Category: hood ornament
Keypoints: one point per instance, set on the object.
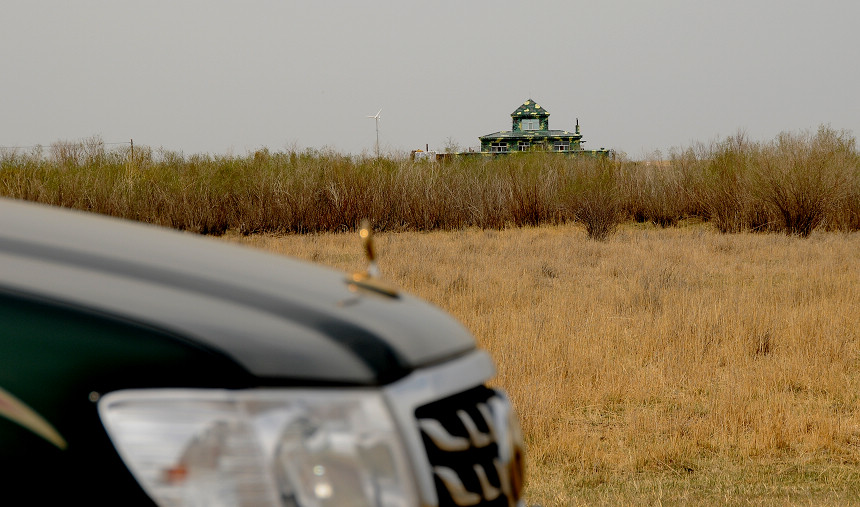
(369, 280)
(366, 235)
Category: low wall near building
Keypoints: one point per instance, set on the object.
(433, 156)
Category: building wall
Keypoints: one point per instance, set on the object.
(516, 125)
(541, 144)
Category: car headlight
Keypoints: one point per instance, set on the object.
(260, 447)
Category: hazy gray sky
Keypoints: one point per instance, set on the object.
(233, 76)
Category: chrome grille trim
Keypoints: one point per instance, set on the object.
(488, 472)
(469, 477)
(426, 386)
(440, 436)
(478, 439)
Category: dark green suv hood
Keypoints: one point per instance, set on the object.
(273, 316)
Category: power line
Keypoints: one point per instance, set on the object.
(82, 143)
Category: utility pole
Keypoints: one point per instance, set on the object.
(376, 118)
(377, 138)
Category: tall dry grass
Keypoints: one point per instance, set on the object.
(794, 184)
(661, 365)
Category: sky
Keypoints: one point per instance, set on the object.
(231, 77)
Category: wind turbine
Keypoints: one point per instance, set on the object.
(377, 117)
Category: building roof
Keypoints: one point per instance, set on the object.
(532, 134)
(530, 109)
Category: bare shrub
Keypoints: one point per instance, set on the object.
(652, 191)
(735, 184)
(632, 191)
(67, 153)
(532, 184)
(802, 177)
(725, 184)
(846, 217)
(94, 153)
(595, 197)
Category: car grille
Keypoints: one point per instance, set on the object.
(464, 443)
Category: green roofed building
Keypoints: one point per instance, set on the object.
(530, 132)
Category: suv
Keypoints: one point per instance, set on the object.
(141, 365)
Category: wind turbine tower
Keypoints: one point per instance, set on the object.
(377, 117)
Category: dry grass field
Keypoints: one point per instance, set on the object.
(672, 365)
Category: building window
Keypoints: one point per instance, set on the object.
(523, 145)
(499, 147)
(530, 124)
(560, 146)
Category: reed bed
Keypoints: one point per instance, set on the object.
(794, 184)
(661, 365)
